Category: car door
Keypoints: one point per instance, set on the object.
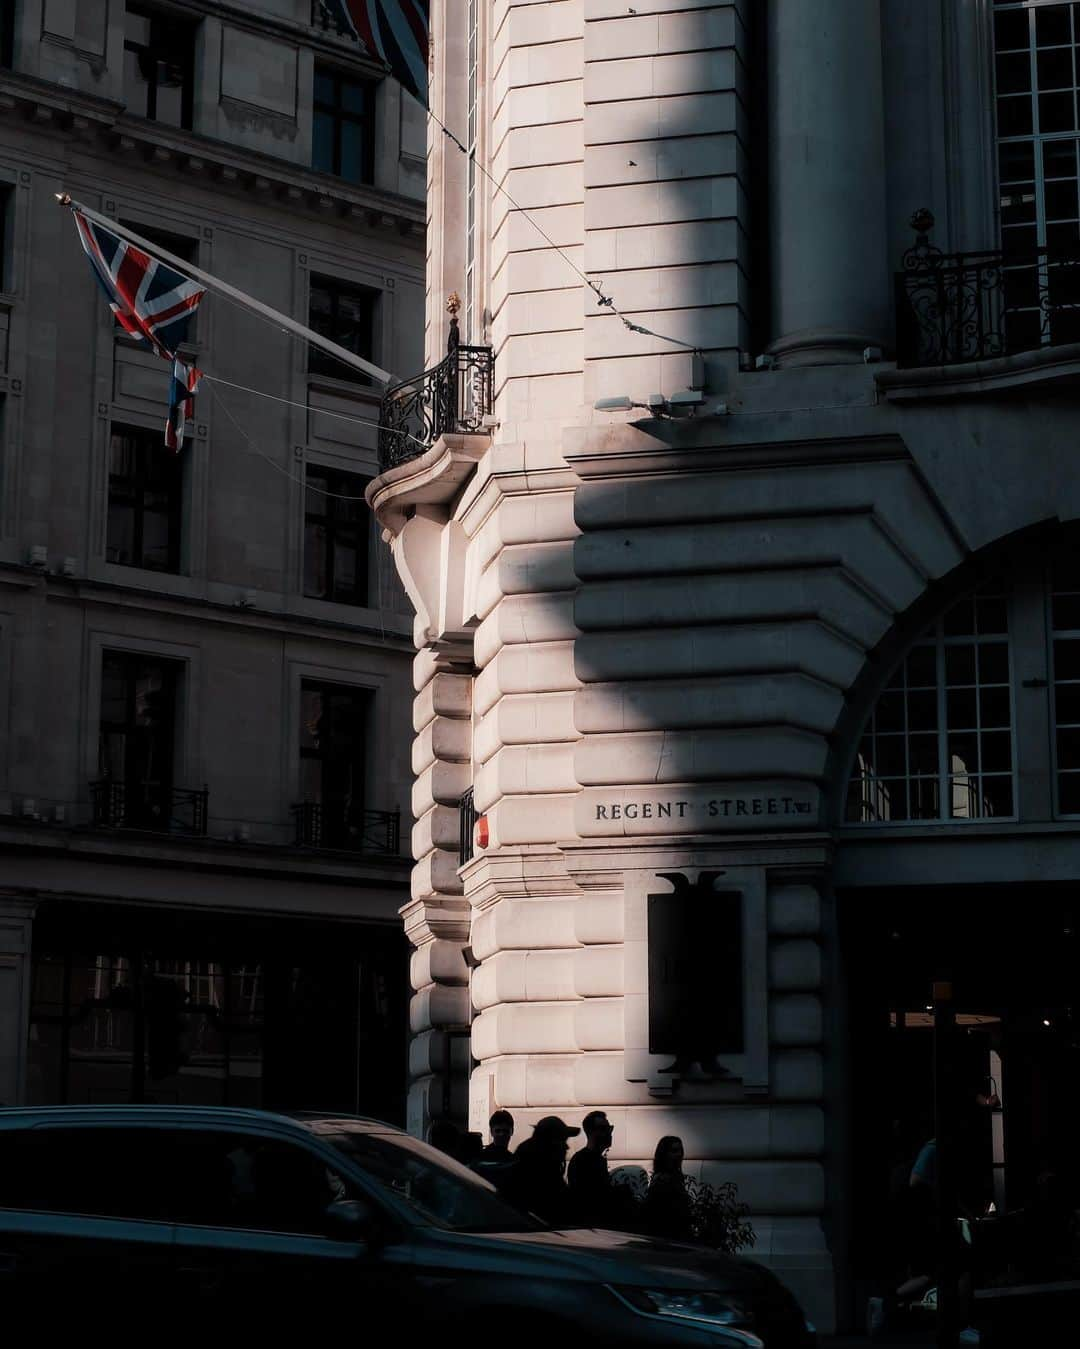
(252, 1236)
(80, 1214)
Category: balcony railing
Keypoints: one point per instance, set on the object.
(953, 308)
(165, 810)
(466, 827)
(331, 18)
(321, 824)
(456, 396)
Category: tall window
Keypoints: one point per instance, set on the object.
(7, 215)
(1065, 654)
(145, 489)
(343, 132)
(939, 741)
(472, 134)
(333, 759)
(159, 65)
(135, 747)
(7, 34)
(336, 532)
(346, 315)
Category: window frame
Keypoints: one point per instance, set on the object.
(149, 442)
(321, 364)
(158, 43)
(344, 480)
(363, 698)
(137, 812)
(339, 115)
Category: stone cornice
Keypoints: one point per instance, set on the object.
(1024, 372)
(228, 167)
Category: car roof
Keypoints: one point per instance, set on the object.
(309, 1121)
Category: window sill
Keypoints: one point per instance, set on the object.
(359, 390)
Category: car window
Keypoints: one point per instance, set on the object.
(437, 1189)
(99, 1172)
(169, 1175)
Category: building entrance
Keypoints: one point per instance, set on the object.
(1011, 958)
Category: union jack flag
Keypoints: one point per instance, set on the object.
(185, 381)
(395, 31)
(151, 300)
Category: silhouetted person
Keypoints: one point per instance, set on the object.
(445, 1136)
(667, 1210)
(535, 1182)
(587, 1175)
(495, 1160)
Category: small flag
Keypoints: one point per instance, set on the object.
(393, 31)
(182, 389)
(151, 300)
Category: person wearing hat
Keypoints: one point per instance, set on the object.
(536, 1182)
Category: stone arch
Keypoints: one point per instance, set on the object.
(1028, 543)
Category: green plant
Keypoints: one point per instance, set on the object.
(717, 1218)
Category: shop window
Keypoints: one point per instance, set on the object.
(159, 65)
(145, 491)
(346, 315)
(336, 530)
(939, 742)
(334, 721)
(343, 135)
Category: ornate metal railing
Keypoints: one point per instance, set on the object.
(331, 18)
(456, 396)
(466, 827)
(324, 824)
(166, 810)
(957, 307)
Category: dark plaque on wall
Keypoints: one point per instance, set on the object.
(695, 973)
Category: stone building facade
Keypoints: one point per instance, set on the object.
(204, 665)
(747, 620)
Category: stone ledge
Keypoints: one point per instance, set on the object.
(977, 379)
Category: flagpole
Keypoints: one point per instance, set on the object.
(213, 284)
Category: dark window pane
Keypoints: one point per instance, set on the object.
(994, 707)
(925, 799)
(1068, 748)
(922, 711)
(889, 712)
(995, 751)
(315, 560)
(324, 87)
(993, 663)
(1067, 704)
(1061, 200)
(1014, 115)
(1056, 113)
(922, 667)
(1010, 30)
(923, 753)
(354, 97)
(345, 570)
(1059, 159)
(1019, 241)
(1069, 793)
(960, 619)
(322, 143)
(120, 544)
(889, 758)
(996, 797)
(993, 614)
(1016, 162)
(960, 709)
(353, 166)
(1023, 329)
(1067, 658)
(1014, 73)
(1017, 208)
(1055, 69)
(1052, 25)
(959, 665)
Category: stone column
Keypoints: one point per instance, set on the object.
(826, 138)
(16, 920)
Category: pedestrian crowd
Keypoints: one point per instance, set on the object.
(536, 1178)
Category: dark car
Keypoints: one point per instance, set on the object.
(192, 1214)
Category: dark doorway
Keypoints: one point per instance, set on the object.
(1011, 957)
(173, 1007)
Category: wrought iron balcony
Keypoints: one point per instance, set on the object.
(454, 397)
(334, 824)
(466, 827)
(953, 308)
(164, 810)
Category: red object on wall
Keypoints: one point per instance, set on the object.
(482, 834)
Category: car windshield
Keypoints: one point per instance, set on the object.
(438, 1189)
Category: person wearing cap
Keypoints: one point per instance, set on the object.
(536, 1182)
(587, 1176)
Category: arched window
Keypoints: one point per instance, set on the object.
(986, 699)
(939, 742)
